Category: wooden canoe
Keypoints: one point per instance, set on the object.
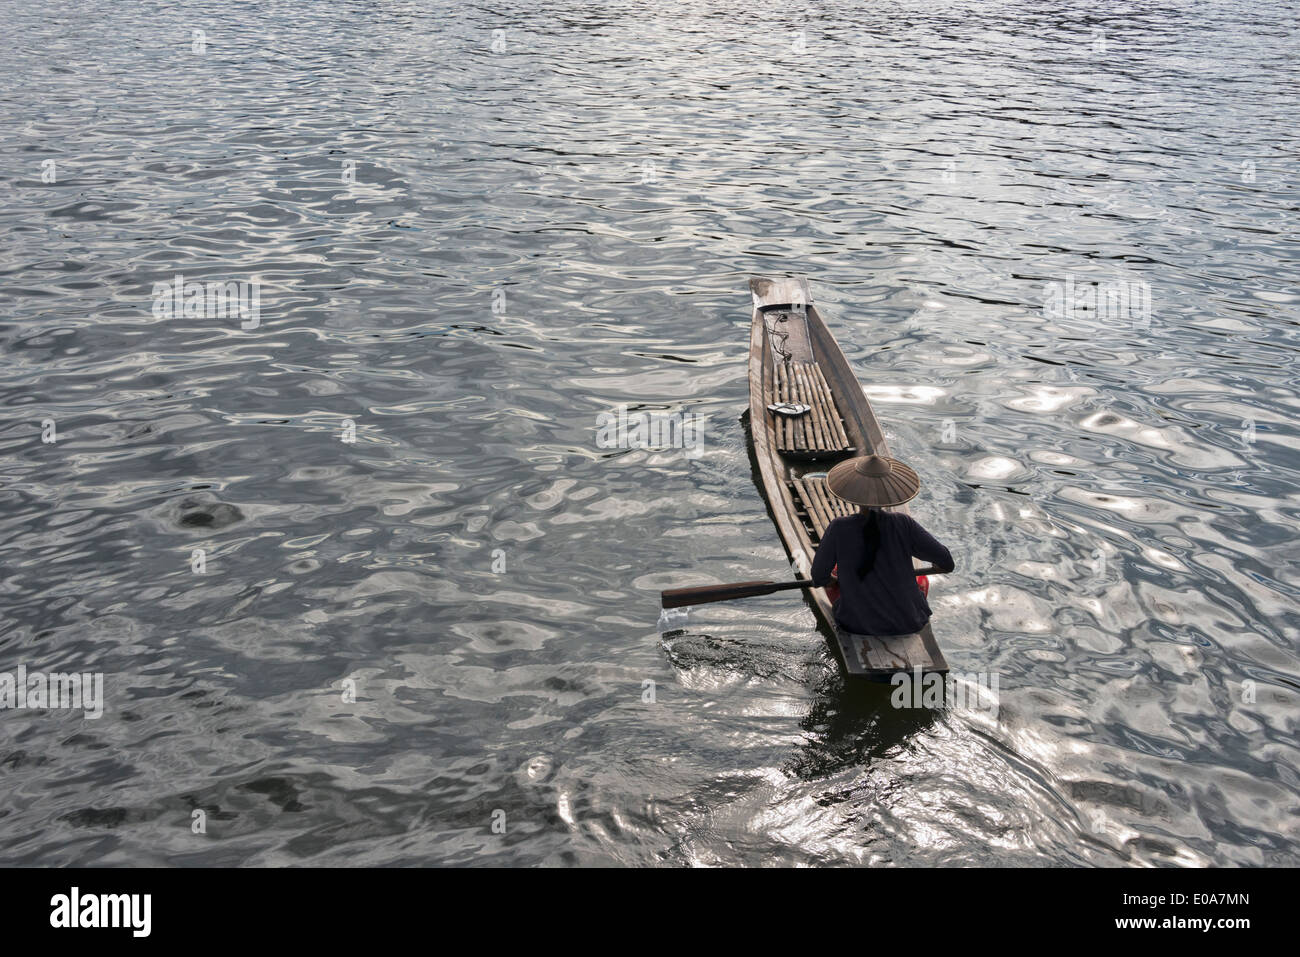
(793, 358)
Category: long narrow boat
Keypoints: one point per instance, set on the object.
(793, 359)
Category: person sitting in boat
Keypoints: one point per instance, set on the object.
(873, 550)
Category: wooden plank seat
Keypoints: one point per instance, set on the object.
(881, 657)
(818, 433)
(811, 494)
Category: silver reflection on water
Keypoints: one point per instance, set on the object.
(425, 626)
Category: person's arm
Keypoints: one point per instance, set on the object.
(928, 548)
(824, 560)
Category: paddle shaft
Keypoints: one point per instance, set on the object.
(704, 594)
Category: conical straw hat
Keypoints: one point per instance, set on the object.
(876, 481)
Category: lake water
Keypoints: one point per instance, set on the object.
(474, 230)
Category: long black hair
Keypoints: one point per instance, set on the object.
(870, 542)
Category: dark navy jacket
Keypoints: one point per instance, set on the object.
(888, 601)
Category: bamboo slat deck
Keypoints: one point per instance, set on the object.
(820, 506)
(819, 431)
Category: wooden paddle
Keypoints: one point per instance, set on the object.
(703, 594)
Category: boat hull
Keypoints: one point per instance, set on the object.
(787, 332)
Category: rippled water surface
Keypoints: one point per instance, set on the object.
(559, 218)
